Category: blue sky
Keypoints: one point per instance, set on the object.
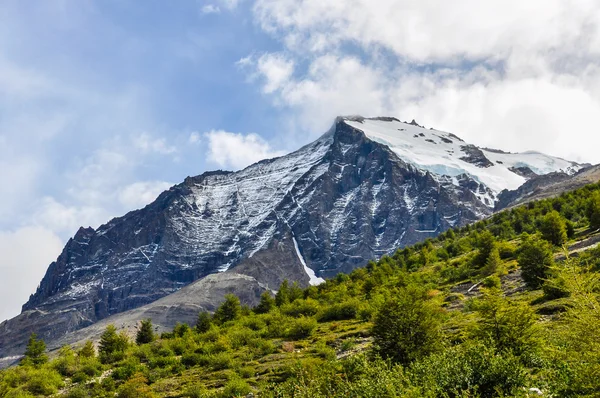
(103, 104)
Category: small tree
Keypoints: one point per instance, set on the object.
(229, 310)
(593, 210)
(35, 353)
(283, 294)
(87, 351)
(554, 228)
(204, 322)
(486, 244)
(266, 304)
(507, 325)
(407, 327)
(145, 333)
(493, 263)
(112, 345)
(535, 260)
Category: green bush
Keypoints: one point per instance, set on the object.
(339, 312)
(469, 370)
(407, 327)
(301, 328)
(194, 359)
(298, 308)
(236, 388)
(492, 281)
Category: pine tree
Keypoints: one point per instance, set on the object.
(112, 344)
(283, 294)
(229, 310)
(553, 228)
(87, 351)
(204, 322)
(35, 353)
(145, 333)
(493, 263)
(266, 304)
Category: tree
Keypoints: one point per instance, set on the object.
(486, 244)
(283, 294)
(87, 351)
(407, 327)
(266, 304)
(204, 322)
(229, 310)
(145, 334)
(535, 260)
(35, 353)
(507, 325)
(570, 229)
(112, 345)
(593, 210)
(554, 228)
(493, 263)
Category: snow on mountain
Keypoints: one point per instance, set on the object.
(446, 154)
(362, 190)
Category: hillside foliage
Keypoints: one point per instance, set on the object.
(495, 309)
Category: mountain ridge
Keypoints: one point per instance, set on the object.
(332, 205)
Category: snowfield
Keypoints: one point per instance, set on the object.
(440, 153)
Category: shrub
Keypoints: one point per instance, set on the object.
(137, 387)
(194, 359)
(43, 382)
(407, 327)
(298, 308)
(492, 281)
(339, 312)
(535, 259)
(469, 370)
(220, 361)
(508, 325)
(554, 228)
(236, 388)
(301, 328)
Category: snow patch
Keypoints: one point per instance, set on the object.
(314, 279)
(442, 153)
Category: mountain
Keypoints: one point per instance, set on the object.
(547, 186)
(362, 190)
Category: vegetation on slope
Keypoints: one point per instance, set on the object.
(495, 309)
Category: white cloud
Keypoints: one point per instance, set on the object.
(194, 138)
(140, 194)
(511, 74)
(231, 4)
(66, 219)
(210, 9)
(276, 70)
(26, 253)
(149, 144)
(231, 150)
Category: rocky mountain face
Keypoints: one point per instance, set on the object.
(362, 190)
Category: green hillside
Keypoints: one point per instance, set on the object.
(505, 307)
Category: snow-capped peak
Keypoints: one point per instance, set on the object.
(445, 154)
